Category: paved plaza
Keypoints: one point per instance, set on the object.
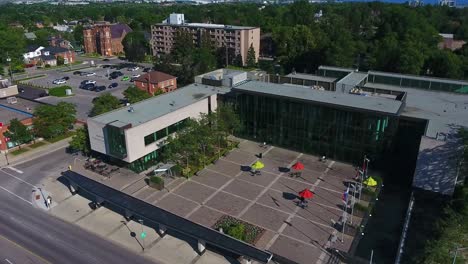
(268, 200)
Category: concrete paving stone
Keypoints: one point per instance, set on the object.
(156, 196)
(211, 178)
(319, 213)
(278, 200)
(328, 198)
(296, 251)
(72, 209)
(145, 192)
(283, 155)
(263, 179)
(123, 236)
(252, 147)
(307, 176)
(226, 167)
(308, 232)
(176, 205)
(345, 245)
(205, 216)
(102, 221)
(265, 217)
(313, 163)
(289, 186)
(210, 257)
(243, 189)
(174, 184)
(136, 186)
(194, 191)
(227, 203)
(172, 250)
(263, 241)
(273, 166)
(332, 184)
(241, 157)
(58, 190)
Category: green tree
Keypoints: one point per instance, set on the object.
(104, 103)
(51, 121)
(444, 63)
(134, 95)
(135, 46)
(238, 61)
(183, 48)
(78, 35)
(80, 141)
(251, 59)
(18, 132)
(60, 60)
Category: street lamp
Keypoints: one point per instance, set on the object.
(143, 234)
(8, 59)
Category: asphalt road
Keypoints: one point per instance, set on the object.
(29, 235)
(53, 240)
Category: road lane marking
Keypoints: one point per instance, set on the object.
(25, 249)
(15, 169)
(17, 196)
(8, 261)
(19, 179)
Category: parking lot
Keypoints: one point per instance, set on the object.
(83, 98)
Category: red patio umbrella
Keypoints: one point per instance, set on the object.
(298, 166)
(306, 194)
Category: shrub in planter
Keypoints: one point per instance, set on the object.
(360, 210)
(368, 194)
(236, 231)
(156, 182)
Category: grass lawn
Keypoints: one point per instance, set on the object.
(64, 136)
(32, 77)
(19, 151)
(59, 91)
(38, 144)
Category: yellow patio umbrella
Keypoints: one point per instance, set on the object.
(370, 182)
(258, 165)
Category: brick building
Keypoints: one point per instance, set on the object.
(105, 39)
(238, 38)
(154, 81)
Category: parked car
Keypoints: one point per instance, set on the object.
(105, 60)
(59, 81)
(66, 78)
(146, 69)
(100, 88)
(89, 87)
(106, 66)
(77, 73)
(136, 68)
(134, 76)
(90, 74)
(125, 78)
(88, 82)
(113, 85)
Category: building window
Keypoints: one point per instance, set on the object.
(150, 139)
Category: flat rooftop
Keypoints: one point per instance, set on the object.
(353, 78)
(7, 114)
(311, 77)
(158, 106)
(374, 104)
(437, 164)
(206, 25)
(22, 109)
(443, 110)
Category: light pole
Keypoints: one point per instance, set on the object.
(142, 235)
(6, 157)
(8, 59)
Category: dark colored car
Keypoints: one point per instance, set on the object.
(66, 78)
(105, 60)
(100, 88)
(89, 87)
(113, 85)
(146, 69)
(76, 73)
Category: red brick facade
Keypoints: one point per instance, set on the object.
(105, 39)
(154, 81)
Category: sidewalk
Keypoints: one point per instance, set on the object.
(34, 153)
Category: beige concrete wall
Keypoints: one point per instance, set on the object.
(250, 37)
(135, 136)
(9, 91)
(96, 136)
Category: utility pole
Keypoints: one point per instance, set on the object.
(8, 59)
(227, 55)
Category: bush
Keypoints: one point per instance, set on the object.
(369, 192)
(236, 231)
(156, 180)
(361, 207)
(59, 91)
(47, 65)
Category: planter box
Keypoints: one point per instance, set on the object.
(158, 186)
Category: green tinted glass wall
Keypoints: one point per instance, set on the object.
(116, 142)
(316, 129)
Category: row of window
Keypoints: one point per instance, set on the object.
(162, 133)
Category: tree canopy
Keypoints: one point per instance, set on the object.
(53, 120)
(80, 141)
(18, 132)
(135, 46)
(134, 95)
(104, 103)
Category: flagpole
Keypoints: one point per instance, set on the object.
(345, 213)
(353, 200)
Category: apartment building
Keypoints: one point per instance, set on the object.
(239, 38)
(105, 39)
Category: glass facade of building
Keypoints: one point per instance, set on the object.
(407, 81)
(317, 129)
(162, 133)
(116, 141)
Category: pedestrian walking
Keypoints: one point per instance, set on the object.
(49, 201)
